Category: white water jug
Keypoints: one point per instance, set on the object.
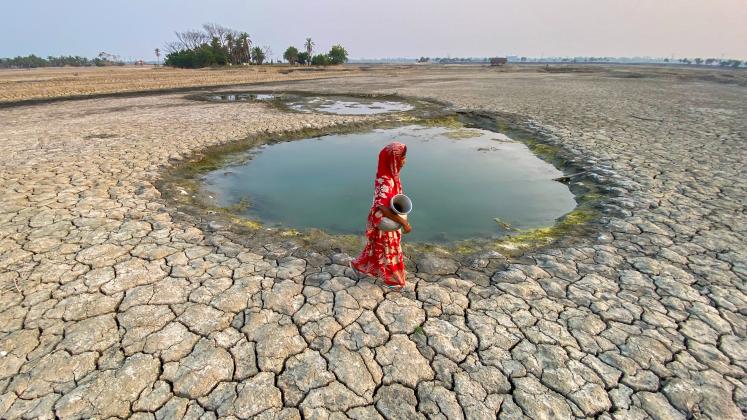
(400, 204)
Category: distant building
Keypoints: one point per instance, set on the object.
(498, 61)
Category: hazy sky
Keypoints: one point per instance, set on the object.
(387, 28)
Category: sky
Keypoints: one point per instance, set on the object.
(132, 29)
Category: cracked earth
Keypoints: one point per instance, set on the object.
(114, 306)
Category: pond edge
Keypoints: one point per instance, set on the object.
(178, 183)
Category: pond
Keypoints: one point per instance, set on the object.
(464, 183)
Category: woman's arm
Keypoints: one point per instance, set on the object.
(396, 217)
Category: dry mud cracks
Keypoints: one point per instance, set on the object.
(114, 304)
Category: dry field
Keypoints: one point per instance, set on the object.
(115, 304)
(34, 84)
(49, 83)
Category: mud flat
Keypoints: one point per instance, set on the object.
(115, 302)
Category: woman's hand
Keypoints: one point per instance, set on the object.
(387, 212)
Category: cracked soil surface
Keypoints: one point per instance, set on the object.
(113, 305)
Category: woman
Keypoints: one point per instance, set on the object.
(382, 257)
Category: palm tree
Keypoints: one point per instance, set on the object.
(309, 48)
(258, 55)
(244, 46)
(231, 47)
(158, 56)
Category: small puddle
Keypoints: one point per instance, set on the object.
(347, 106)
(465, 183)
(339, 105)
(241, 97)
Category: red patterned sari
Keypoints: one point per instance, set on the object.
(382, 257)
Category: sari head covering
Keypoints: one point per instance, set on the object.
(390, 159)
(387, 185)
(382, 255)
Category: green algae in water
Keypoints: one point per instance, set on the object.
(544, 236)
(458, 187)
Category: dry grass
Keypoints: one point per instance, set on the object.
(46, 83)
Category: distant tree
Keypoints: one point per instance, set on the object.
(158, 56)
(291, 55)
(211, 45)
(337, 54)
(231, 48)
(303, 58)
(267, 51)
(219, 53)
(698, 61)
(188, 40)
(320, 60)
(730, 63)
(182, 58)
(244, 45)
(710, 61)
(309, 45)
(258, 56)
(32, 61)
(29, 62)
(213, 30)
(203, 56)
(63, 61)
(106, 59)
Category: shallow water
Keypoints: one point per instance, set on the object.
(460, 182)
(340, 105)
(347, 105)
(241, 97)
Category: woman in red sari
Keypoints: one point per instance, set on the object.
(382, 257)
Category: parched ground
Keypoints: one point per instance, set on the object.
(48, 83)
(114, 305)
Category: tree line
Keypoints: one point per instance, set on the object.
(213, 45)
(710, 62)
(336, 55)
(33, 61)
(575, 60)
(217, 45)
